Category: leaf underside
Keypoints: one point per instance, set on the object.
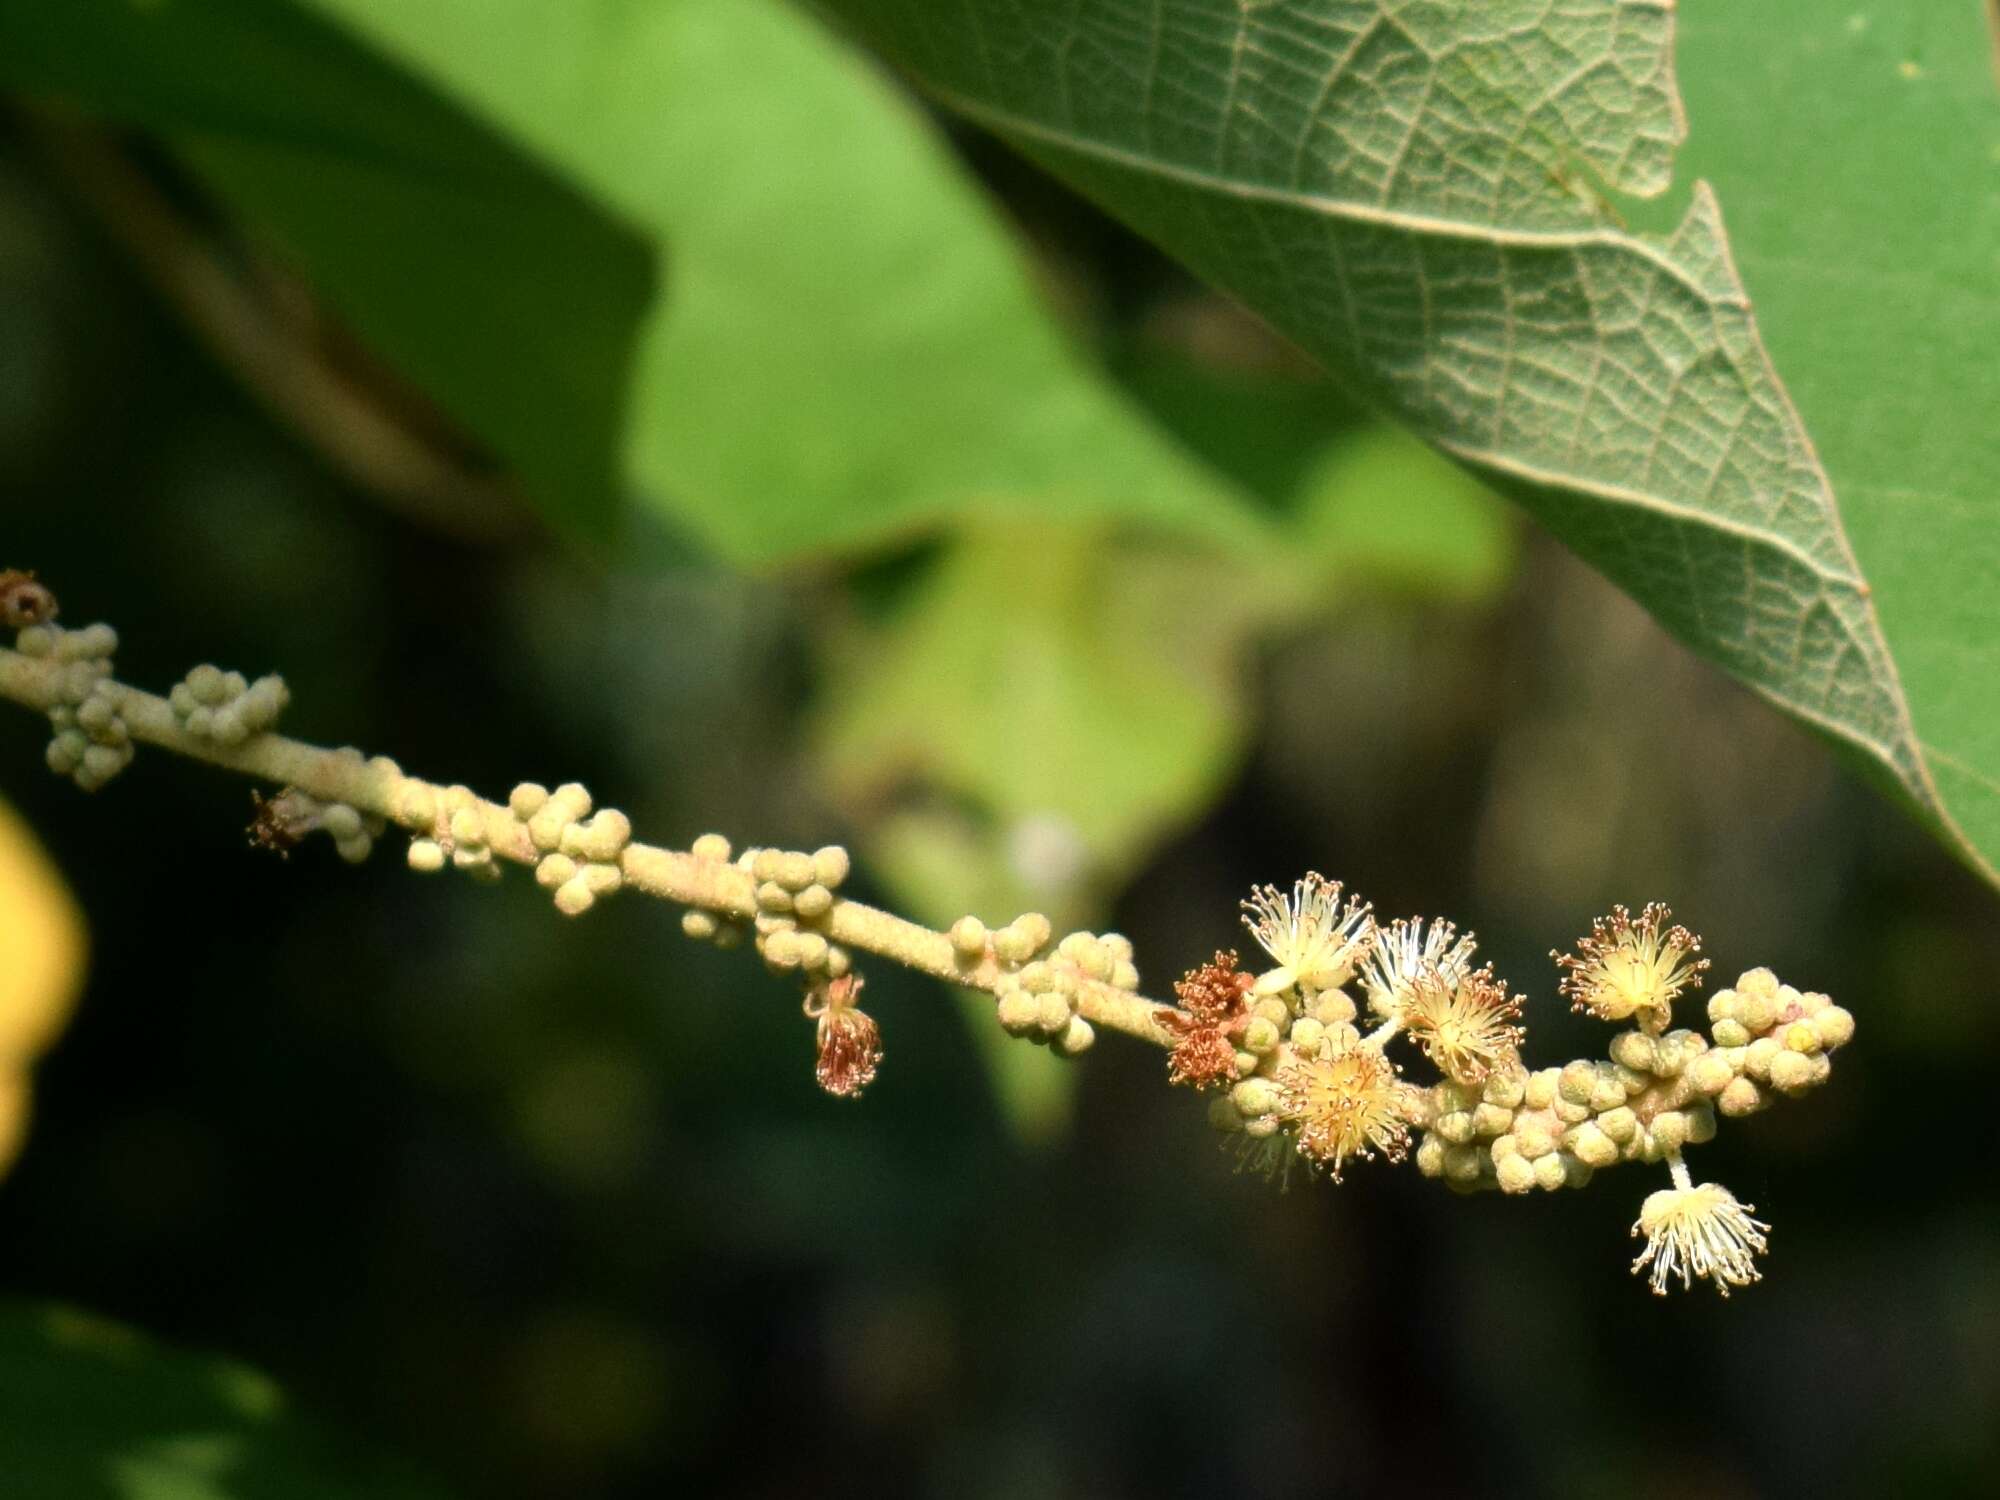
(1416, 193)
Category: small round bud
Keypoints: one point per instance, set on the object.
(1669, 1130)
(773, 897)
(1577, 1082)
(527, 799)
(830, 865)
(1533, 1135)
(1791, 1073)
(1571, 1114)
(1540, 1091)
(1124, 976)
(711, 846)
(1505, 1087)
(698, 924)
(1053, 1012)
(1260, 1036)
(1274, 1010)
(1430, 1156)
(1018, 1012)
(426, 856)
(1222, 1115)
(1246, 1063)
(1700, 1123)
(574, 897)
(1262, 1128)
(36, 640)
(1609, 1093)
(227, 727)
(1722, 1005)
(200, 722)
(968, 939)
(602, 839)
(793, 871)
(1307, 1034)
(1463, 1164)
(102, 762)
(1334, 1008)
(1835, 1026)
(206, 684)
(1731, 1034)
(340, 820)
(1097, 963)
(1618, 1125)
(1119, 945)
(1740, 1098)
(1711, 1073)
(1455, 1127)
(812, 903)
(1591, 1146)
(1491, 1119)
(1576, 1172)
(1515, 1174)
(1757, 1058)
(1550, 1173)
(234, 685)
(1757, 982)
(1801, 1036)
(729, 936)
(813, 950)
(781, 949)
(354, 850)
(1253, 1097)
(1634, 1049)
(555, 870)
(468, 828)
(1757, 1011)
(1076, 1038)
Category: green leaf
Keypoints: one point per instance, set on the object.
(510, 299)
(1858, 147)
(1413, 193)
(850, 348)
(96, 1411)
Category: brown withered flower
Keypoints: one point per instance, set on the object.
(279, 823)
(848, 1040)
(1215, 1003)
(24, 601)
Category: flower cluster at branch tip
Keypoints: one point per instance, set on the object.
(1296, 1078)
(1306, 1082)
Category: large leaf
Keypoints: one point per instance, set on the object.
(1858, 147)
(849, 346)
(1412, 192)
(510, 299)
(95, 1411)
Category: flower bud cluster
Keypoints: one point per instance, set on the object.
(1768, 1037)
(458, 835)
(91, 743)
(1038, 1000)
(580, 848)
(795, 894)
(224, 708)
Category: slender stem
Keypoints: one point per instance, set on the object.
(381, 788)
(1679, 1170)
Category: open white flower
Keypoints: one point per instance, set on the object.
(1699, 1231)
(1316, 941)
(1405, 948)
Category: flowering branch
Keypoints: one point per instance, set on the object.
(1298, 1078)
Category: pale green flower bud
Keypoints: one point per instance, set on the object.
(1550, 1173)
(712, 846)
(699, 925)
(1261, 1036)
(968, 939)
(1729, 1033)
(1741, 1097)
(1618, 1125)
(1635, 1050)
(426, 856)
(1430, 1156)
(830, 865)
(1712, 1072)
(1577, 1082)
(1791, 1073)
(1835, 1026)
(1307, 1034)
(812, 903)
(1515, 1174)
(1491, 1120)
